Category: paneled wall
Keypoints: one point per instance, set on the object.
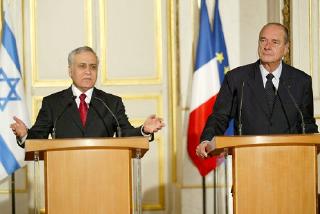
(146, 50)
(306, 43)
(131, 40)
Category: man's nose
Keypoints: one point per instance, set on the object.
(87, 70)
(267, 45)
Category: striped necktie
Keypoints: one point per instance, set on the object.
(270, 91)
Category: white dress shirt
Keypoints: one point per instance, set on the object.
(276, 73)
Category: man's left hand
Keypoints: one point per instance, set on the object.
(152, 124)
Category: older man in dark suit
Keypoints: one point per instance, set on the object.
(83, 110)
(266, 97)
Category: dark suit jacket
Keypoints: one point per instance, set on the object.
(61, 108)
(256, 117)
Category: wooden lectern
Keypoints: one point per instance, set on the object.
(89, 175)
(273, 174)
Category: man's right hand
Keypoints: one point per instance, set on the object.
(19, 128)
(204, 148)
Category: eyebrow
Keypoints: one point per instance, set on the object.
(87, 63)
(260, 38)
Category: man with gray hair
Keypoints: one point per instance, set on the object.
(83, 110)
(265, 97)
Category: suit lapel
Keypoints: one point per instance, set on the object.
(92, 116)
(66, 97)
(285, 81)
(256, 85)
(73, 111)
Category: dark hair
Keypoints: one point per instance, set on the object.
(80, 50)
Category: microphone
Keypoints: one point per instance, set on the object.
(240, 110)
(303, 125)
(54, 129)
(284, 110)
(113, 115)
(98, 113)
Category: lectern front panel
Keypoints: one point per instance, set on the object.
(275, 179)
(97, 181)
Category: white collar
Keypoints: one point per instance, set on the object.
(76, 92)
(276, 73)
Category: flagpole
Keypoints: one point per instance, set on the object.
(204, 198)
(13, 190)
(226, 180)
(215, 191)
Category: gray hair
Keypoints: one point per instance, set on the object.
(80, 50)
(284, 28)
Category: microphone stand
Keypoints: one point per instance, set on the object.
(13, 191)
(119, 133)
(240, 111)
(303, 125)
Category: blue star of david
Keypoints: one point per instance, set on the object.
(12, 95)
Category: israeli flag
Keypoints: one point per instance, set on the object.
(12, 99)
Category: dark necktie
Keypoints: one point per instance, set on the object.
(83, 109)
(270, 91)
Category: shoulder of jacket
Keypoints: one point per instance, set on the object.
(102, 94)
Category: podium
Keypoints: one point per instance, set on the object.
(89, 175)
(273, 174)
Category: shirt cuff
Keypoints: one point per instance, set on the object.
(143, 133)
(205, 141)
(22, 140)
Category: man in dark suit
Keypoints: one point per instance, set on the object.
(83, 110)
(265, 97)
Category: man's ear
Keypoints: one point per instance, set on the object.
(286, 48)
(69, 70)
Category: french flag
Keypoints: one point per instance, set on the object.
(211, 65)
